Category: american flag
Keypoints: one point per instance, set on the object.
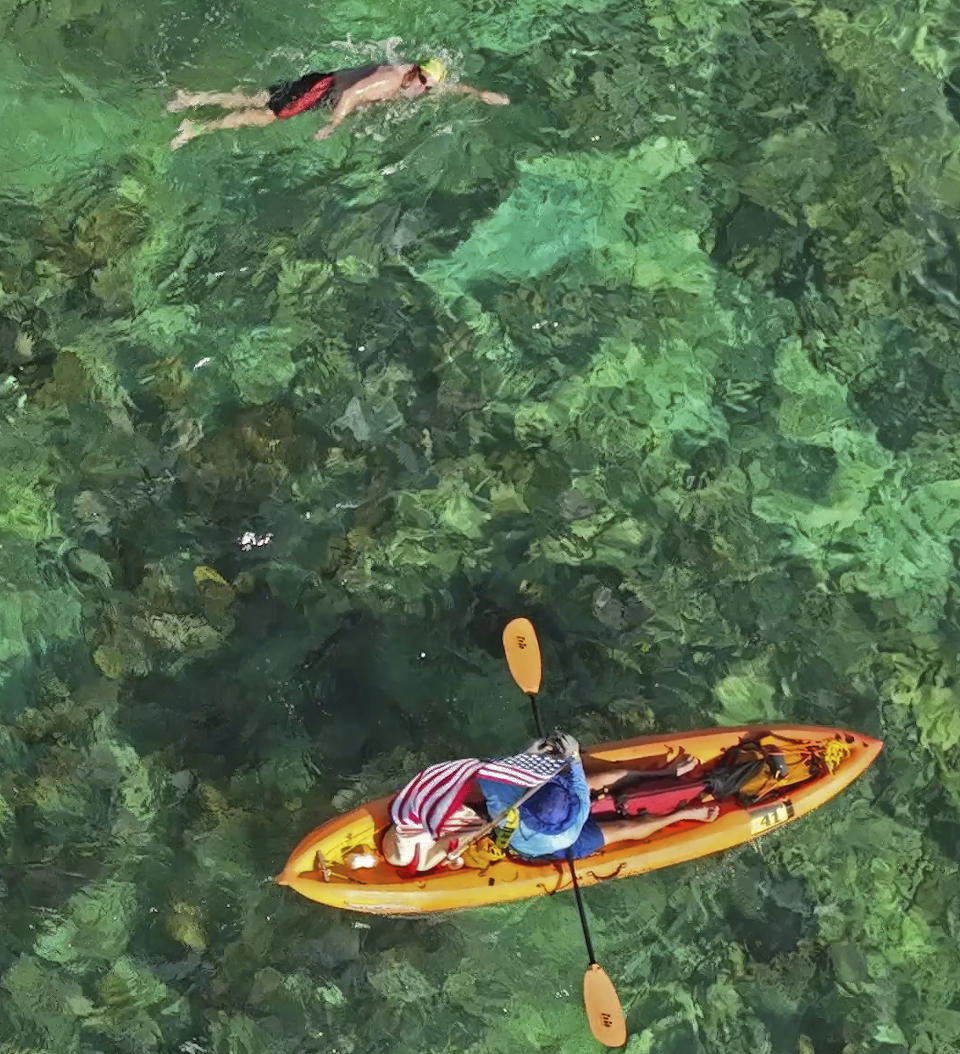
(432, 800)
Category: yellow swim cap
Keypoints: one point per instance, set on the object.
(435, 69)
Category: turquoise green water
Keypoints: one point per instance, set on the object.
(664, 355)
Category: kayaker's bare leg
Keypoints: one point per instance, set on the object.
(636, 830)
(226, 100)
(238, 119)
(607, 779)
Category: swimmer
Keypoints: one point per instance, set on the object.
(342, 92)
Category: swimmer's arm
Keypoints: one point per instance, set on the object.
(380, 85)
(347, 104)
(491, 98)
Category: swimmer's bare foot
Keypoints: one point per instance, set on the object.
(704, 814)
(180, 101)
(187, 131)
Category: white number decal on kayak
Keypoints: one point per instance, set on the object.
(769, 816)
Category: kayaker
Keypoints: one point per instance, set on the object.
(340, 91)
(438, 809)
(557, 817)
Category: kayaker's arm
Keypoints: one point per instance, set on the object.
(578, 785)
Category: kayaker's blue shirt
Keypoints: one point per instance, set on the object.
(540, 839)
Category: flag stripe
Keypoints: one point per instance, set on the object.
(432, 801)
(412, 805)
(448, 796)
(434, 777)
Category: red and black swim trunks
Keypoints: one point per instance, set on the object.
(293, 97)
(314, 89)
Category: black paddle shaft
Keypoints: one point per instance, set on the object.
(536, 714)
(573, 869)
(580, 909)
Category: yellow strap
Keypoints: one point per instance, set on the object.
(507, 829)
(486, 851)
(482, 853)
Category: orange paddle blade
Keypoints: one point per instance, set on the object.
(523, 654)
(604, 1011)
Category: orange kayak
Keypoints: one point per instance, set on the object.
(317, 868)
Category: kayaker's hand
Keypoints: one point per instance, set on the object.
(559, 744)
(566, 746)
(541, 746)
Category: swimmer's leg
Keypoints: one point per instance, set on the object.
(239, 119)
(228, 100)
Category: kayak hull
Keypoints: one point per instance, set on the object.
(316, 867)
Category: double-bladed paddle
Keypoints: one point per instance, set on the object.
(604, 1012)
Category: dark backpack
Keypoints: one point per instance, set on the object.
(756, 768)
